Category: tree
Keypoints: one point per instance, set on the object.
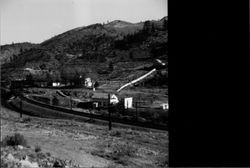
(114, 54)
(76, 79)
(48, 78)
(96, 84)
(29, 78)
(153, 28)
(42, 67)
(56, 76)
(63, 76)
(111, 66)
(131, 56)
(146, 27)
(165, 24)
(55, 101)
(82, 79)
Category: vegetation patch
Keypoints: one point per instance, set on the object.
(38, 148)
(119, 152)
(115, 133)
(26, 120)
(162, 160)
(14, 140)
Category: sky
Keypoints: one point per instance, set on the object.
(38, 20)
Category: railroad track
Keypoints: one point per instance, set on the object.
(94, 116)
(101, 118)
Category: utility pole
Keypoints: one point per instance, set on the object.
(136, 112)
(21, 104)
(109, 110)
(70, 101)
(90, 107)
(139, 101)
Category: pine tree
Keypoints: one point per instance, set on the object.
(131, 56)
(153, 28)
(165, 24)
(147, 27)
(111, 66)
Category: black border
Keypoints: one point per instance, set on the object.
(208, 87)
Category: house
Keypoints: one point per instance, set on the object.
(88, 82)
(102, 99)
(41, 83)
(113, 99)
(128, 102)
(165, 106)
(55, 84)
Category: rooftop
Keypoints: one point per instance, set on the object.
(100, 96)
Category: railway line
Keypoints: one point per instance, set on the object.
(64, 112)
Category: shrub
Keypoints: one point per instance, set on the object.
(119, 152)
(123, 149)
(38, 148)
(162, 160)
(41, 155)
(48, 154)
(14, 140)
(115, 133)
(25, 120)
(55, 101)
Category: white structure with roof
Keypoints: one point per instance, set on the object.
(88, 82)
(128, 102)
(113, 99)
(165, 106)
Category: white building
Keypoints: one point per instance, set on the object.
(56, 84)
(128, 102)
(165, 106)
(113, 99)
(88, 83)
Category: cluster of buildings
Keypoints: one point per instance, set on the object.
(102, 100)
(41, 78)
(98, 99)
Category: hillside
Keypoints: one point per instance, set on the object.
(101, 51)
(7, 52)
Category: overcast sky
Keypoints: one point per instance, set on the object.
(38, 20)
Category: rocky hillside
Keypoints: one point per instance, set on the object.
(47, 143)
(98, 50)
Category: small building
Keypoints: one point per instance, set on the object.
(17, 84)
(41, 83)
(95, 104)
(56, 84)
(102, 99)
(114, 99)
(88, 82)
(128, 102)
(165, 106)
